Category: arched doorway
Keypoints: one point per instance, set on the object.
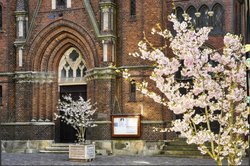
(71, 79)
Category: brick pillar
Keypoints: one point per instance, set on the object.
(54, 100)
(48, 105)
(41, 102)
(23, 96)
(101, 89)
(34, 116)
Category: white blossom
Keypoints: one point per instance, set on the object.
(214, 90)
(77, 113)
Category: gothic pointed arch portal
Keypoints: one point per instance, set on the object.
(71, 80)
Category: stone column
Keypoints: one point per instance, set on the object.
(23, 94)
(108, 8)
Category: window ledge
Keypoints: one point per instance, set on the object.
(216, 34)
(132, 101)
(132, 18)
(61, 9)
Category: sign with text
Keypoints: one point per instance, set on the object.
(126, 125)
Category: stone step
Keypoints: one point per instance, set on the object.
(57, 148)
(181, 153)
(179, 143)
(200, 156)
(61, 144)
(54, 151)
(181, 148)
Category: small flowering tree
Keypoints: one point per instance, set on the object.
(212, 88)
(78, 114)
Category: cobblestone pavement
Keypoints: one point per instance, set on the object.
(62, 159)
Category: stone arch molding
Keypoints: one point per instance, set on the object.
(52, 42)
(45, 51)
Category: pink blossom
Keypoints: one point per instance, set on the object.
(216, 87)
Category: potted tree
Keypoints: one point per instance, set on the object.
(78, 114)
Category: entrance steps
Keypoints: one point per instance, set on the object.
(58, 148)
(179, 148)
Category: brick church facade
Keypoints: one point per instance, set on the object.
(55, 47)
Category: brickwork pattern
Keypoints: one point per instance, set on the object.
(23, 102)
(148, 134)
(55, 31)
(101, 132)
(27, 132)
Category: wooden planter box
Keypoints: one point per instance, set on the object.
(80, 152)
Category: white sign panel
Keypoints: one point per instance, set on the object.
(126, 126)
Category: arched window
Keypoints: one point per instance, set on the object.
(179, 13)
(191, 12)
(61, 3)
(1, 19)
(72, 68)
(132, 90)
(132, 8)
(218, 19)
(204, 18)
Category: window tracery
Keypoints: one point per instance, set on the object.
(72, 68)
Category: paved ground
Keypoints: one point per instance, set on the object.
(62, 159)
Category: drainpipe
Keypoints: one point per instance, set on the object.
(33, 20)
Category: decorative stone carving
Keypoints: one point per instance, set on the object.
(101, 73)
(34, 77)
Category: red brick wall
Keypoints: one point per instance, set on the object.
(51, 37)
(7, 59)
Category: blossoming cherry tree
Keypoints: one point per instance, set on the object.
(212, 89)
(78, 114)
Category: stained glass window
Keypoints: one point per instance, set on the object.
(191, 12)
(132, 8)
(73, 55)
(218, 19)
(1, 94)
(70, 72)
(63, 73)
(1, 21)
(204, 18)
(61, 3)
(132, 90)
(72, 68)
(78, 72)
(179, 13)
